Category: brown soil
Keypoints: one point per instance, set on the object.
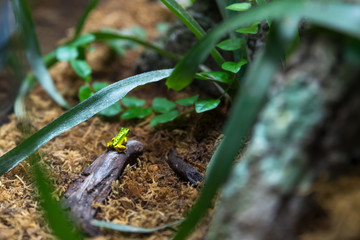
(146, 195)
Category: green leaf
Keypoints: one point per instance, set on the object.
(105, 35)
(252, 29)
(131, 102)
(136, 113)
(162, 27)
(66, 53)
(233, 66)
(162, 105)
(192, 25)
(83, 40)
(112, 110)
(207, 104)
(81, 112)
(165, 117)
(85, 92)
(83, 18)
(82, 69)
(99, 85)
(334, 15)
(33, 54)
(57, 219)
(131, 229)
(239, 7)
(230, 44)
(188, 101)
(219, 76)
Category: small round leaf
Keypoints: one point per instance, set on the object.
(220, 76)
(252, 29)
(85, 92)
(66, 53)
(112, 110)
(207, 104)
(239, 7)
(162, 105)
(165, 117)
(99, 85)
(230, 44)
(188, 101)
(82, 69)
(131, 102)
(136, 113)
(233, 66)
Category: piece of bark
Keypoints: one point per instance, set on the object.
(309, 126)
(183, 169)
(94, 184)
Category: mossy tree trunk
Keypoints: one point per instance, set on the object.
(309, 126)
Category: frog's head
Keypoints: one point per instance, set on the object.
(125, 131)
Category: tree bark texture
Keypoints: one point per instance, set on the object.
(310, 125)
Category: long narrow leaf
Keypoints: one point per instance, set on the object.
(58, 221)
(131, 229)
(26, 24)
(243, 115)
(83, 18)
(334, 15)
(111, 36)
(81, 112)
(190, 22)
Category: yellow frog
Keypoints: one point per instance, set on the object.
(119, 141)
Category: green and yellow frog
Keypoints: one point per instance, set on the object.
(119, 141)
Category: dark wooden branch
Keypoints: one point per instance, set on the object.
(183, 169)
(94, 184)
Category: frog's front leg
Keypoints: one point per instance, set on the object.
(120, 148)
(110, 145)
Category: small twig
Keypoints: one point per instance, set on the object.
(94, 184)
(183, 169)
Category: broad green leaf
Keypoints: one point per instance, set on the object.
(230, 44)
(188, 101)
(83, 18)
(85, 92)
(207, 104)
(233, 66)
(239, 7)
(192, 25)
(82, 69)
(33, 54)
(244, 113)
(57, 219)
(252, 29)
(99, 85)
(112, 110)
(165, 117)
(66, 53)
(338, 16)
(82, 40)
(78, 114)
(219, 76)
(136, 113)
(162, 105)
(131, 229)
(132, 102)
